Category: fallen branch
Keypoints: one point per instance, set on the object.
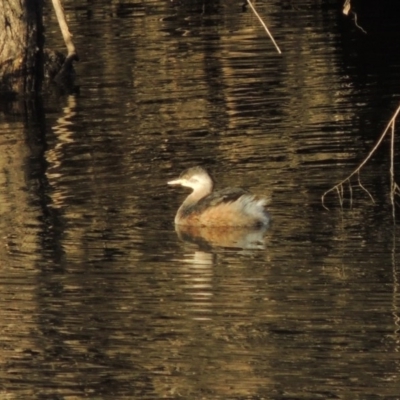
(265, 26)
(66, 70)
(394, 189)
(347, 10)
(58, 8)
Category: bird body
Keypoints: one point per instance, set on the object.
(226, 207)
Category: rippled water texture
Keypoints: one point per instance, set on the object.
(100, 296)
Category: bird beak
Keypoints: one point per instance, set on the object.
(175, 182)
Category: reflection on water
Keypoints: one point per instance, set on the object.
(101, 298)
(199, 284)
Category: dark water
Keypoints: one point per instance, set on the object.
(100, 297)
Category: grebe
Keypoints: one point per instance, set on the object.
(226, 207)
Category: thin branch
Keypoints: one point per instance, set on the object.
(351, 194)
(340, 195)
(265, 26)
(392, 182)
(347, 10)
(358, 26)
(58, 8)
(364, 188)
(357, 170)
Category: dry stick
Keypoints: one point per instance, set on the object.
(346, 10)
(64, 29)
(340, 197)
(392, 182)
(351, 194)
(357, 170)
(392, 158)
(265, 26)
(364, 188)
(358, 26)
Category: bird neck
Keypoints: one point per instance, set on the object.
(194, 198)
(197, 195)
(200, 192)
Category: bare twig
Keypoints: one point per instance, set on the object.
(351, 194)
(364, 188)
(358, 26)
(58, 8)
(394, 189)
(393, 184)
(347, 10)
(265, 26)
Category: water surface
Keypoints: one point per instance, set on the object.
(101, 298)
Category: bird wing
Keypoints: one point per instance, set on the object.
(219, 197)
